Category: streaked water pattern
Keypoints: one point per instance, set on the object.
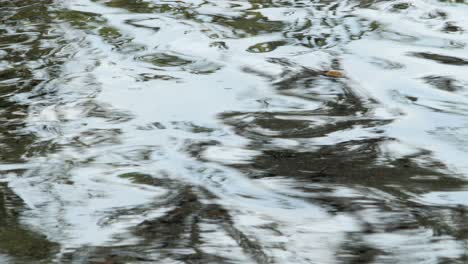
(204, 131)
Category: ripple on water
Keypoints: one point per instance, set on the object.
(210, 132)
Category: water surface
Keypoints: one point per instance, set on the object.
(202, 131)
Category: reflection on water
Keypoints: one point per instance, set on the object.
(142, 131)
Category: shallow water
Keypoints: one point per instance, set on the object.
(202, 131)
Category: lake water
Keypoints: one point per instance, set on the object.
(234, 131)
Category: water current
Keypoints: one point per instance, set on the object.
(233, 131)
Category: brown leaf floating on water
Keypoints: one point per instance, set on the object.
(334, 74)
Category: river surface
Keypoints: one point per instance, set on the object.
(233, 131)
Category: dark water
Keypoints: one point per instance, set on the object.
(206, 131)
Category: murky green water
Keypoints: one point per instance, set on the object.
(202, 131)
